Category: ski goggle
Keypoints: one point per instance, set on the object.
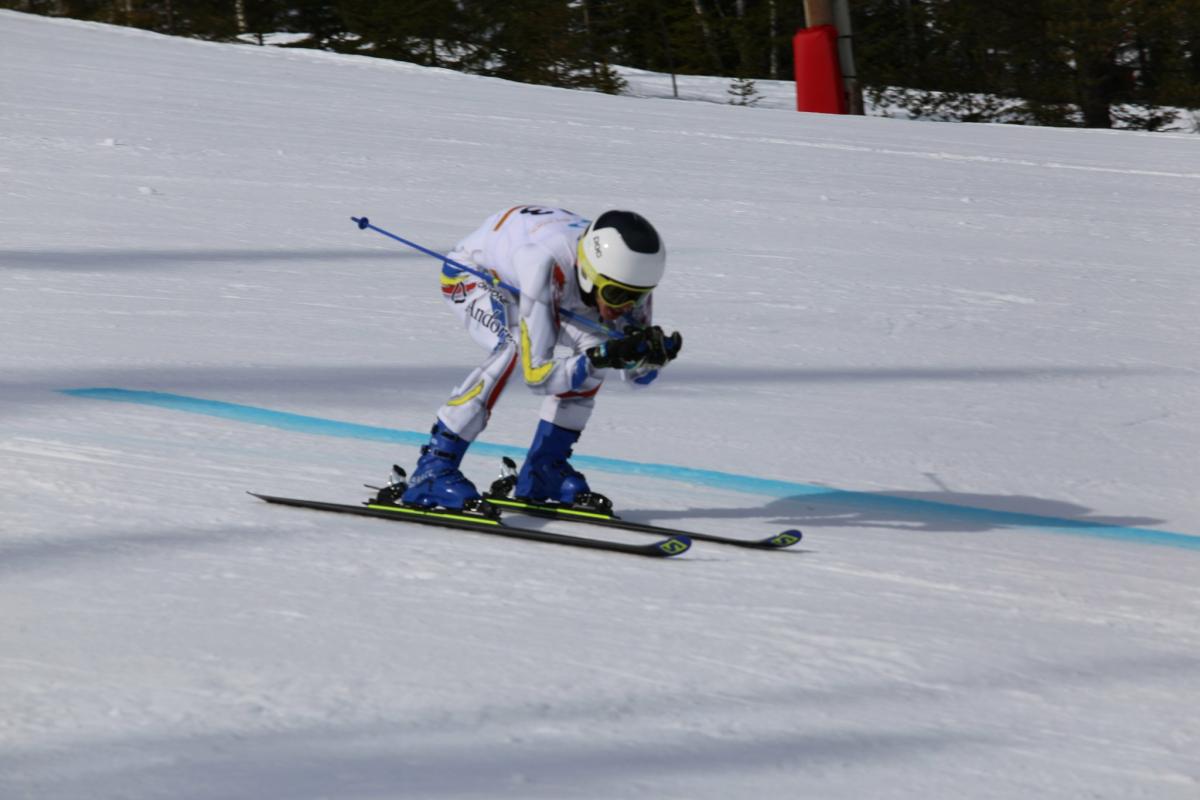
(614, 293)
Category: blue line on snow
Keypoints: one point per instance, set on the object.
(698, 477)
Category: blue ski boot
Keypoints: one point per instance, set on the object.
(437, 481)
(546, 474)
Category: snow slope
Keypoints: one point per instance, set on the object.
(963, 358)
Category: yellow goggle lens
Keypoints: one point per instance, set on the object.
(614, 293)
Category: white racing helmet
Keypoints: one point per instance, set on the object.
(621, 257)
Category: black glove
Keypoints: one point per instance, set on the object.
(661, 348)
(638, 346)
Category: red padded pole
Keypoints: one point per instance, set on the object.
(818, 77)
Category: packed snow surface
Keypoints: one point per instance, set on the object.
(964, 359)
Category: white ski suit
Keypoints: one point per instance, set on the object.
(531, 248)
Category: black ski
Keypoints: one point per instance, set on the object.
(605, 518)
(673, 545)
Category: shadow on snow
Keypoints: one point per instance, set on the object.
(943, 511)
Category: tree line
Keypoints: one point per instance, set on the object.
(571, 43)
(1095, 63)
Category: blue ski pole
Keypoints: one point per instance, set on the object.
(365, 224)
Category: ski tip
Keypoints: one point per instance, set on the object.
(785, 538)
(674, 545)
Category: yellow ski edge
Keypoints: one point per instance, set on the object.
(571, 512)
(416, 512)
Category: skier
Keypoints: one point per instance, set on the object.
(602, 271)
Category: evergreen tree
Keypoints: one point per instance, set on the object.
(406, 30)
(321, 20)
(1057, 62)
(743, 92)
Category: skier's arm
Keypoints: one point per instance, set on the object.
(537, 329)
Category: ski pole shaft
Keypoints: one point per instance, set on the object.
(365, 224)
